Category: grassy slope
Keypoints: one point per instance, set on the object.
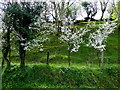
(42, 76)
(58, 52)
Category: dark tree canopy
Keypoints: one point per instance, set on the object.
(19, 17)
(90, 9)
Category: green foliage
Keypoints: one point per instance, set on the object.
(85, 4)
(43, 76)
(21, 17)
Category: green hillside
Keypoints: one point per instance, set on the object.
(84, 71)
(58, 52)
(43, 76)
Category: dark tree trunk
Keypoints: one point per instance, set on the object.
(5, 53)
(69, 53)
(47, 59)
(9, 55)
(102, 16)
(6, 47)
(8, 62)
(3, 62)
(69, 57)
(103, 8)
(22, 55)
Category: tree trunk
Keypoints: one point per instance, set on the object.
(69, 57)
(69, 53)
(5, 53)
(22, 55)
(3, 62)
(102, 16)
(98, 57)
(47, 59)
(102, 58)
(9, 55)
(103, 11)
(6, 47)
(8, 62)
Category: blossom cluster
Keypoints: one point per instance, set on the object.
(73, 37)
(35, 43)
(97, 39)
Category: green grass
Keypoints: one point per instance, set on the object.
(55, 76)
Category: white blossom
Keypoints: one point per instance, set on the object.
(41, 49)
(73, 36)
(98, 38)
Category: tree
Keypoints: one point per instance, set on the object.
(73, 38)
(61, 11)
(56, 15)
(87, 8)
(90, 9)
(46, 11)
(70, 36)
(93, 10)
(22, 17)
(6, 47)
(7, 29)
(98, 38)
(103, 5)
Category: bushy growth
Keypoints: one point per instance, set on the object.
(36, 75)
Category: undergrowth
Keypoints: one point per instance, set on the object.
(44, 76)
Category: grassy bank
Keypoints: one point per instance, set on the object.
(43, 76)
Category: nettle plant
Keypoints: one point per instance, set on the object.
(98, 38)
(73, 38)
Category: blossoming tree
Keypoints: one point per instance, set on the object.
(73, 38)
(98, 38)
